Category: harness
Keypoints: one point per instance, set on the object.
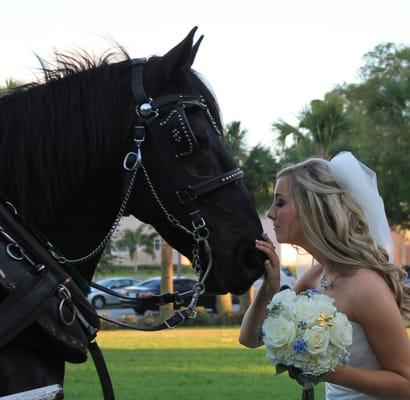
(38, 284)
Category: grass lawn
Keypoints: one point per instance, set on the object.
(181, 364)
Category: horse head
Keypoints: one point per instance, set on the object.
(193, 172)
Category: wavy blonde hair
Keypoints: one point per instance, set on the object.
(336, 227)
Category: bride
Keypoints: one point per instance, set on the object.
(333, 210)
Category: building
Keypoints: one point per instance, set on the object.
(289, 255)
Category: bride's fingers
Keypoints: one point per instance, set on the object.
(263, 245)
(269, 250)
(266, 237)
(272, 276)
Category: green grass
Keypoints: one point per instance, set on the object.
(183, 364)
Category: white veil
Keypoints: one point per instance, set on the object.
(360, 183)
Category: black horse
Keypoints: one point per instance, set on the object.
(63, 144)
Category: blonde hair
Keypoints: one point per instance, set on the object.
(336, 227)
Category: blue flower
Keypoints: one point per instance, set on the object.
(300, 346)
(310, 293)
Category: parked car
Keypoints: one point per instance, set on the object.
(146, 289)
(100, 299)
(287, 280)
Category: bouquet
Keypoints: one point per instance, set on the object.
(306, 335)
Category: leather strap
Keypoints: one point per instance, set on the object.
(160, 300)
(101, 367)
(187, 100)
(137, 80)
(189, 193)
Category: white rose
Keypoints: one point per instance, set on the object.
(317, 339)
(278, 331)
(285, 297)
(323, 298)
(304, 309)
(325, 304)
(277, 355)
(341, 331)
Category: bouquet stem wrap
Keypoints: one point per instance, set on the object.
(308, 394)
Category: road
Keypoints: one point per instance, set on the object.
(116, 313)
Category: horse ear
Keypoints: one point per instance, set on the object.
(194, 51)
(181, 56)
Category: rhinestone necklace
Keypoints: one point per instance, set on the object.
(326, 282)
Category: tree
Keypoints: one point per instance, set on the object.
(260, 169)
(380, 106)
(258, 164)
(320, 127)
(235, 142)
(11, 83)
(105, 264)
(132, 240)
(167, 279)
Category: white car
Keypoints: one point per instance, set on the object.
(287, 281)
(100, 299)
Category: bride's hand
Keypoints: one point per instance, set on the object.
(271, 279)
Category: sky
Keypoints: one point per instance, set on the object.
(265, 59)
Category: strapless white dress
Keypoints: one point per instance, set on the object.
(361, 356)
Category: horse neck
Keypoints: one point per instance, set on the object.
(60, 164)
(82, 221)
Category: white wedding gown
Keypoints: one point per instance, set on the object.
(361, 356)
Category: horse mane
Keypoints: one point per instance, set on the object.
(81, 107)
(76, 119)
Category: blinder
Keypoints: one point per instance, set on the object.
(179, 131)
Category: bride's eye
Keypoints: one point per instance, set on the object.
(280, 203)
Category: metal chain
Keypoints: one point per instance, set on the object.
(100, 247)
(174, 221)
(196, 260)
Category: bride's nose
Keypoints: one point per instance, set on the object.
(271, 213)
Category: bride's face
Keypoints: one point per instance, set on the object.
(285, 220)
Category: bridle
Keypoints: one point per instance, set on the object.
(150, 119)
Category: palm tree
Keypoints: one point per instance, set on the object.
(320, 126)
(11, 83)
(167, 279)
(132, 240)
(260, 169)
(107, 259)
(235, 141)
